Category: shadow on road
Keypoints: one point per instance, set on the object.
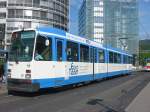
(102, 104)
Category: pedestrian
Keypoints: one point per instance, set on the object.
(5, 72)
(2, 72)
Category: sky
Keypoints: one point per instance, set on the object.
(144, 17)
(74, 8)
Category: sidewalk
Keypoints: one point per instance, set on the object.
(142, 102)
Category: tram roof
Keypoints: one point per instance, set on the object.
(51, 30)
(63, 33)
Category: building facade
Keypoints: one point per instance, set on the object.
(111, 22)
(3, 13)
(121, 24)
(91, 20)
(18, 14)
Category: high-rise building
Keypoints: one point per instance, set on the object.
(16, 14)
(3, 13)
(121, 24)
(111, 22)
(91, 20)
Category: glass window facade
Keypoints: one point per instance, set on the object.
(91, 19)
(55, 12)
(32, 13)
(3, 4)
(121, 24)
(106, 21)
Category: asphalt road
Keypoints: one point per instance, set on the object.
(112, 95)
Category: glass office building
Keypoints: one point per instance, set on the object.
(111, 22)
(3, 11)
(121, 24)
(91, 20)
(32, 13)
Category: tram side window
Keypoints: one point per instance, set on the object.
(118, 58)
(59, 50)
(91, 55)
(43, 51)
(95, 55)
(125, 59)
(111, 57)
(72, 51)
(130, 60)
(84, 53)
(115, 58)
(101, 56)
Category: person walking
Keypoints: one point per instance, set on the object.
(1, 73)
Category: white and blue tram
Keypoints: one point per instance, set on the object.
(46, 57)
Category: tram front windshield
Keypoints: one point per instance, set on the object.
(22, 46)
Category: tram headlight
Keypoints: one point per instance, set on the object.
(28, 76)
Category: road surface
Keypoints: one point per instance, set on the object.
(112, 95)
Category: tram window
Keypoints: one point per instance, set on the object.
(118, 58)
(72, 51)
(91, 55)
(43, 52)
(129, 60)
(101, 56)
(59, 50)
(125, 59)
(111, 57)
(115, 57)
(84, 53)
(132, 60)
(95, 55)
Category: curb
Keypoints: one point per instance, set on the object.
(142, 101)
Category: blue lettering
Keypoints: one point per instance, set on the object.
(73, 70)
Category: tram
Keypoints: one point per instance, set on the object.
(46, 57)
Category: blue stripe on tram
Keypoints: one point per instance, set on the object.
(53, 82)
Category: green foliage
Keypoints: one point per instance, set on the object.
(144, 45)
(143, 57)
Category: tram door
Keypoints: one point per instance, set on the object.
(93, 59)
(59, 68)
(59, 50)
